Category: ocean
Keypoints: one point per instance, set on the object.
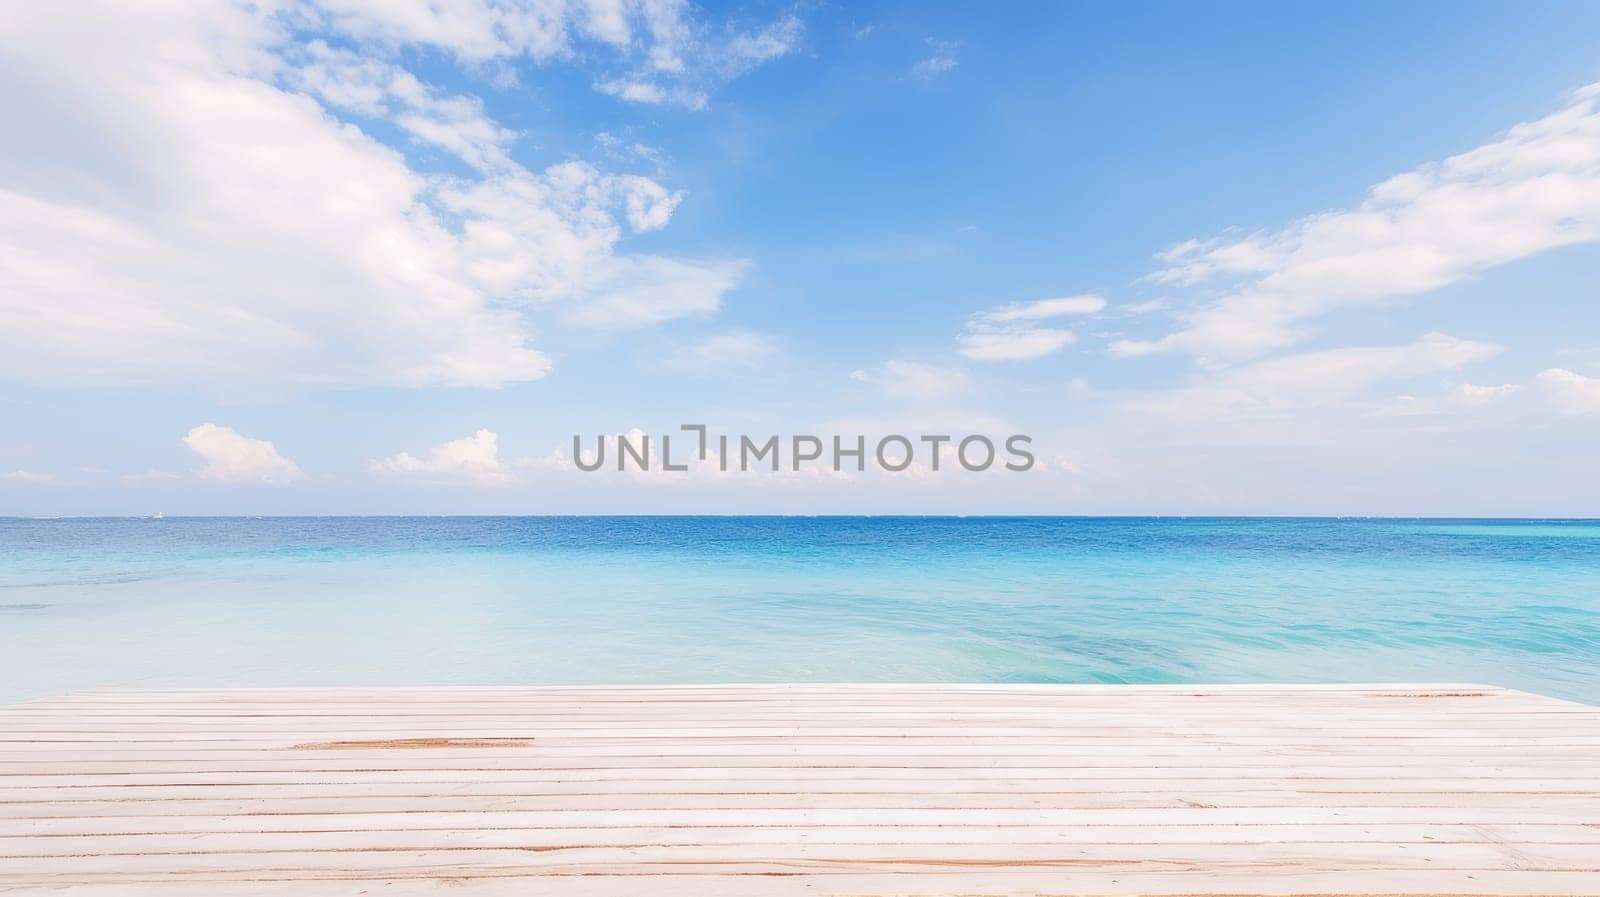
(88, 603)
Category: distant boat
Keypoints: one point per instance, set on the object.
(159, 516)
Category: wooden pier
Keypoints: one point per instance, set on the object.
(801, 790)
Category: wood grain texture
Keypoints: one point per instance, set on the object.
(906, 790)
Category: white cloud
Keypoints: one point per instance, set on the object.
(1013, 332)
(687, 61)
(724, 351)
(474, 31)
(234, 458)
(637, 291)
(1059, 464)
(345, 79)
(915, 380)
(651, 93)
(1535, 189)
(942, 60)
(1015, 345)
(1570, 391)
(1410, 406)
(1041, 309)
(241, 232)
(150, 476)
(661, 40)
(1472, 395)
(29, 476)
(746, 50)
(1144, 308)
(556, 460)
(630, 151)
(1320, 380)
(474, 458)
(1463, 396)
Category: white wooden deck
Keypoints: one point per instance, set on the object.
(815, 790)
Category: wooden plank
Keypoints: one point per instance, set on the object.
(989, 882)
(790, 816)
(822, 860)
(923, 783)
(359, 805)
(858, 833)
(807, 789)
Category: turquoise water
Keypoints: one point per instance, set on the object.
(367, 601)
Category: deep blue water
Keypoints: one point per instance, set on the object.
(358, 601)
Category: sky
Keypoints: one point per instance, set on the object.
(347, 257)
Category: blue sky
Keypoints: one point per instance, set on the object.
(314, 257)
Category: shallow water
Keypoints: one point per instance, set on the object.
(395, 601)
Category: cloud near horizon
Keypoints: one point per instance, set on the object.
(1571, 392)
(231, 457)
(1324, 380)
(474, 458)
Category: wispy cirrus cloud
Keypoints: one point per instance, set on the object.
(689, 61)
(915, 380)
(1535, 189)
(1018, 331)
(941, 59)
(665, 50)
(1322, 381)
(732, 350)
(643, 290)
